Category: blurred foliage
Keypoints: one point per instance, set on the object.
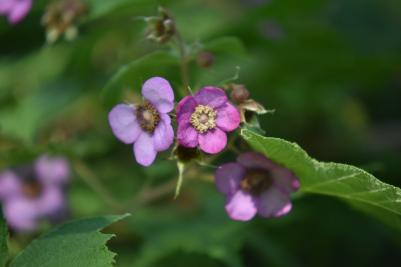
(333, 74)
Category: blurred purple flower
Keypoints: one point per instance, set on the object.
(31, 194)
(148, 125)
(15, 10)
(272, 30)
(205, 118)
(255, 185)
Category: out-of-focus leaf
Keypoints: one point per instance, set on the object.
(333, 179)
(135, 73)
(23, 120)
(100, 8)
(3, 240)
(226, 45)
(78, 243)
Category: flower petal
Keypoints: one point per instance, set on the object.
(123, 122)
(52, 170)
(228, 117)
(163, 135)
(285, 180)
(211, 96)
(187, 136)
(51, 201)
(241, 206)
(144, 150)
(158, 91)
(255, 160)
(213, 141)
(186, 105)
(10, 185)
(273, 203)
(19, 11)
(21, 214)
(228, 177)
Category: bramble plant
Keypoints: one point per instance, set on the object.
(209, 129)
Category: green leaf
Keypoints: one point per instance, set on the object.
(77, 243)
(181, 169)
(3, 240)
(361, 189)
(226, 45)
(135, 73)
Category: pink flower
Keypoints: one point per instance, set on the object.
(147, 125)
(255, 185)
(204, 119)
(15, 10)
(32, 193)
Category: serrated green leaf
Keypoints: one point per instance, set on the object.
(3, 240)
(346, 182)
(77, 243)
(135, 73)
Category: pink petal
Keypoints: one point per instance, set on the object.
(19, 11)
(52, 170)
(10, 185)
(228, 117)
(228, 177)
(187, 136)
(241, 206)
(163, 135)
(158, 91)
(51, 201)
(213, 141)
(123, 123)
(6, 6)
(255, 160)
(211, 96)
(21, 214)
(144, 150)
(186, 105)
(273, 203)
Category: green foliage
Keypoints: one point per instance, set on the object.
(78, 243)
(3, 240)
(135, 73)
(349, 183)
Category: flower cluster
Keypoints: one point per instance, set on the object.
(252, 185)
(32, 193)
(203, 120)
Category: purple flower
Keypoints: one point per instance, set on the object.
(148, 125)
(255, 185)
(204, 119)
(33, 193)
(15, 10)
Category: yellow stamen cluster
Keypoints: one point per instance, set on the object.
(148, 117)
(203, 118)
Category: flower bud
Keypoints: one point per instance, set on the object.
(162, 28)
(239, 93)
(61, 18)
(205, 59)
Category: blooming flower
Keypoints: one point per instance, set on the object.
(15, 10)
(204, 119)
(255, 185)
(147, 125)
(33, 193)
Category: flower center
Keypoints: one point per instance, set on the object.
(203, 118)
(31, 189)
(148, 117)
(256, 181)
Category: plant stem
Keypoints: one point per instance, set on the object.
(93, 182)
